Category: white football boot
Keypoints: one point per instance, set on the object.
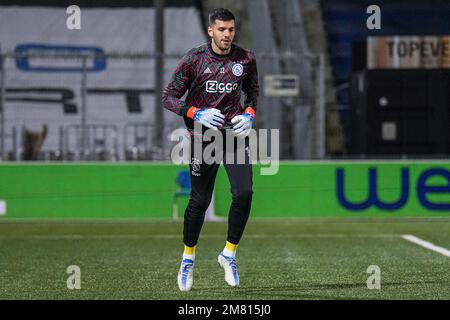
(229, 265)
(186, 275)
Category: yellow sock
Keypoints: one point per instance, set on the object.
(230, 249)
(231, 246)
(189, 250)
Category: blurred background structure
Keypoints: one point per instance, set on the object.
(96, 89)
(84, 140)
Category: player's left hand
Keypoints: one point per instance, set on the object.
(242, 125)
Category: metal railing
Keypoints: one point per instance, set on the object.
(97, 142)
(78, 140)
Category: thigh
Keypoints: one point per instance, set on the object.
(239, 170)
(202, 174)
(240, 177)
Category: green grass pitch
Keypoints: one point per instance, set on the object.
(296, 259)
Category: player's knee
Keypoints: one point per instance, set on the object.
(199, 205)
(243, 195)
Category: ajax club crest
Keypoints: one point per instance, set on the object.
(195, 166)
(238, 69)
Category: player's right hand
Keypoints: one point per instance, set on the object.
(211, 118)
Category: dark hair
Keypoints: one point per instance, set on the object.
(220, 14)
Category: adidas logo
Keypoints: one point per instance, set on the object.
(207, 70)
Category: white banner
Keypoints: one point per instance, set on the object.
(408, 52)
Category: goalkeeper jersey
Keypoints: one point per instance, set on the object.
(213, 81)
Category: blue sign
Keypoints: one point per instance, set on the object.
(422, 190)
(23, 52)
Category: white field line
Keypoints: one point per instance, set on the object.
(180, 236)
(426, 244)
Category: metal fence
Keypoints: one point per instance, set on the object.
(107, 115)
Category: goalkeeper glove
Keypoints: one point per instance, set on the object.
(242, 124)
(211, 118)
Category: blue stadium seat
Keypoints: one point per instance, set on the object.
(184, 183)
(183, 190)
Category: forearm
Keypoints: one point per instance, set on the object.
(172, 102)
(251, 101)
(251, 88)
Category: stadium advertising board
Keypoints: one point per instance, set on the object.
(408, 52)
(299, 189)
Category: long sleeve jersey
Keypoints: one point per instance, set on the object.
(213, 81)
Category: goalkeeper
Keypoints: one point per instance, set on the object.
(215, 74)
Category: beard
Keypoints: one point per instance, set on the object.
(220, 46)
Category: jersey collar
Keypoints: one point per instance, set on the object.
(220, 55)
